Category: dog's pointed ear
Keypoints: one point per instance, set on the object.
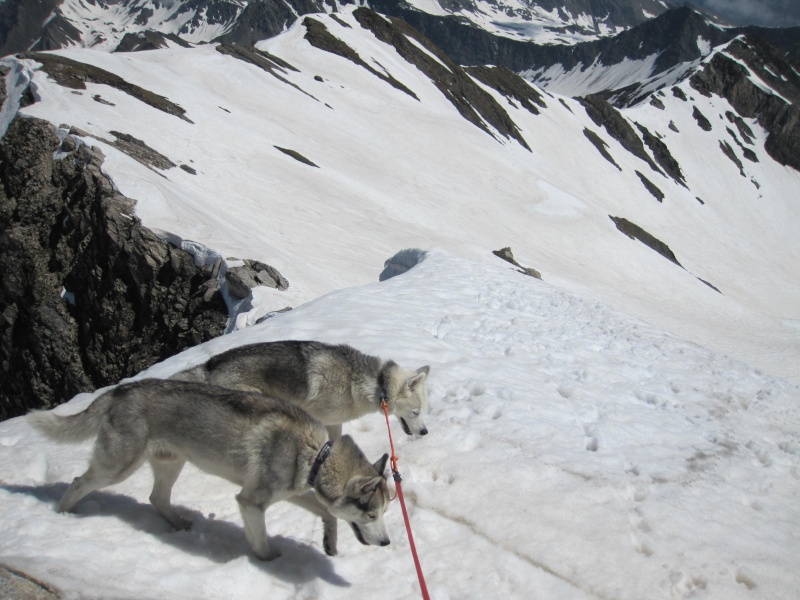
(380, 464)
(359, 487)
(414, 382)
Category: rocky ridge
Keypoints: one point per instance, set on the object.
(88, 295)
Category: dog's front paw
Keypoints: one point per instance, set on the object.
(330, 547)
(330, 536)
(267, 556)
(179, 523)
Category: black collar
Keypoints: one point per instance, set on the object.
(323, 454)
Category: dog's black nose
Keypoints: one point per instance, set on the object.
(424, 431)
(385, 542)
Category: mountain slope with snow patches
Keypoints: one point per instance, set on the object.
(626, 428)
(393, 169)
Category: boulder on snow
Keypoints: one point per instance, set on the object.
(401, 262)
(252, 274)
(507, 255)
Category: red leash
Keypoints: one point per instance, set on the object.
(397, 479)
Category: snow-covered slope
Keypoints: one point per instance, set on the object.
(574, 453)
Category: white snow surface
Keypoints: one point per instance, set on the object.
(617, 430)
(574, 452)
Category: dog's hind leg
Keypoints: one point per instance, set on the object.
(114, 459)
(101, 473)
(309, 502)
(166, 468)
(80, 487)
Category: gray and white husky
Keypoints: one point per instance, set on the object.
(333, 383)
(273, 449)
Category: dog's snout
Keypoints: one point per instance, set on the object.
(424, 431)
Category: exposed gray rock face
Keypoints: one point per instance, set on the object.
(252, 274)
(148, 40)
(780, 116)
(23, 22)
(263, 19)
(507, 255)
(88, 296)
(74, 75)
(473, 103)
(401, 262)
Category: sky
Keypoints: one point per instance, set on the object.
(767, 13)
(618, 429)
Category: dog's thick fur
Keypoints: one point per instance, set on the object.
(267, 446)
(333, 383)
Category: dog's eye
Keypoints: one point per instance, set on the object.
(371, 516)
(415, 412)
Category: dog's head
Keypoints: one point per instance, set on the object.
(364, 500)
(412, 401)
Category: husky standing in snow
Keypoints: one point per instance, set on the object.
(332, 383)
(274, 450)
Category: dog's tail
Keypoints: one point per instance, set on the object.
(72, 428)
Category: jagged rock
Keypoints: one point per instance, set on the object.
(318, 36)
(401, 262)
(253, 273)
(297, 156)
(261, 20)
(605, 115)
(633, 231)
(74, 74)
(472, 102)
(651, 187)
(148, 40)
(88, 296)
(507, 255)
(726, 76)
(702, 122)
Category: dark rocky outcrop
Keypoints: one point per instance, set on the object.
(262, 19)
(633, 231)
(511, 85)
(651, 187)
(297, 156)
(701, 119)
(149, 40)
(473, 103)
(601, 145)
(88, 296)
(74, 75)
(662, 155)
(263, 60)
(21, 23)
(251, 274)
(726, 76)
(319, 37)
(605, 115)
(508, 256)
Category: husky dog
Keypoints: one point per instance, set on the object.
(333, 383)
(273, 449)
